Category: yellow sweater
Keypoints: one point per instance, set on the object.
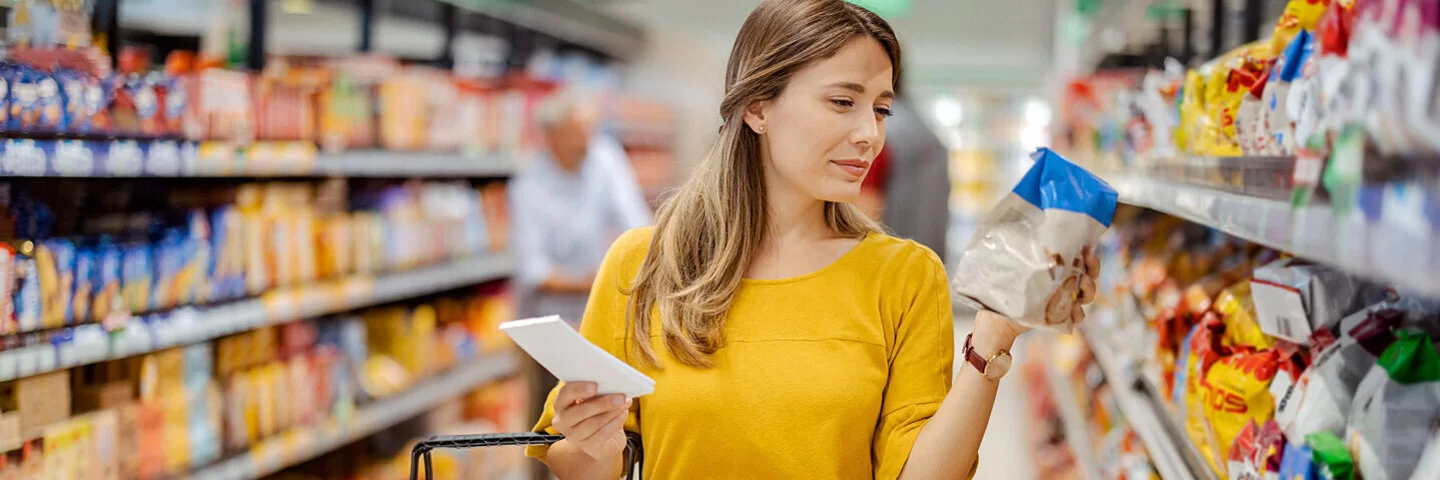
(826, 375)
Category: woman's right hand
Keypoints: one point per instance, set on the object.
(593, 424)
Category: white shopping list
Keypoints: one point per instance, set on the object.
(572, 358)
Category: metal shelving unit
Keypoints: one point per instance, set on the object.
(1352, 242)
(189, 325)
(300, 444)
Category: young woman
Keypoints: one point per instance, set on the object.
(787, 335)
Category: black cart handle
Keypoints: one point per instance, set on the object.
(634, 452)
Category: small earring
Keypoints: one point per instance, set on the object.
(760, 129)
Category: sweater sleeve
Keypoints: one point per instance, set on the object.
(921, 356)
(604, 321)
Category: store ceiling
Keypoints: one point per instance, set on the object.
(947, 42)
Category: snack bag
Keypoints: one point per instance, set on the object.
(1321, 398)
(1277, 91)
(1237, 391)
(137, 277)
(1239, 464)
(1203, 349)
(1237, 309)
(1294, 298)
(1252, 123)
(1328, 454)
(1026, 259)
(1269, 451)
(86, 268)
(107, 296)
(1396, 408)
(1299, 16)
(1429, 467)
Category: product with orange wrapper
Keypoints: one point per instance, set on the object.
(1237, 391)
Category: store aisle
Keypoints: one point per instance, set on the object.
(1004, 453)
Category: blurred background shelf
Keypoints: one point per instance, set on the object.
(1173, 454)
(189, 325)
(1075, 422)
(303, 443)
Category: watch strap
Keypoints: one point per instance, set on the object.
(980, 363)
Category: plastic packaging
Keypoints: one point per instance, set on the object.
(1294, 298)
(1026, 259)
(1332, 461)
(1395, 409)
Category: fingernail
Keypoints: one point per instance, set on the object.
(616, 400)
(628, 402)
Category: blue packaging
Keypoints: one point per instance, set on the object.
(50, 103)
(137, 277)
(169, 258)
(27, 293)
(1296, 464)
(1028, 254)
(55, 263)
(107, 296)
(87, 266)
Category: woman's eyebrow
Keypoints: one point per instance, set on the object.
(858, 88)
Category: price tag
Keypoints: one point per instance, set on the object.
(27, 360)
(189, 157)
(1280, 311)
(23, 158)
(164, 159)
(73, 158)
(125, 159)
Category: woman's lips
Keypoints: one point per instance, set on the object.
(855, 168)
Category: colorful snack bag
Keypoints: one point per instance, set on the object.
(1252, 123)
(9, 276)
(1277, 91)
(1294, 298)
(1237, 391)
(1328, 454)
(1237, 309)
(1269, 450)
(1321, 398)
(169, 259)
(1429, 467)
(191, 281)
(1396, 408)
(1239, 464)
(1203, 349)
(1299, 16)
(52, 107)
(1026, 260)
(227, 261)
(27, 290)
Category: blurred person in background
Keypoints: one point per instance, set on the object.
(917, 179)
(575, 197)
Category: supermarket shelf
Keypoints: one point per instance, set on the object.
(301, 444)
(25, 157)
(186, 326)
(1072, 417)
(1174, 455)
(1314, 232)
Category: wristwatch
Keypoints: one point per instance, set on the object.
(992, 368)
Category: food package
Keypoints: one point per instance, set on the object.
(1202, 350)
(1026, 259)
(1237, 310)
(1298, 17)
(1294, 298)
(1237, 391)
(1269, 451)
(1277, 92)
(1321, 398)
(1252, 123)
(1331, 460)
(1429, 467)
(1192, 113)
(1396, 409)
(1239, 464)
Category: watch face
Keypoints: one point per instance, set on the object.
(999, 364)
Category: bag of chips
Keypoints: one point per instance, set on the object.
(1026, 260)
(1202, 350)
(1239, 465)
(1237, 391)
(1237, 309)
(1328, 454)
(1396, 408)
(1295, 464)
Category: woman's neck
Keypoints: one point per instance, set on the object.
(794, 216)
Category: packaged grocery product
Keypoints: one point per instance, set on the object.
(1328, 455)
(107, 297)
(8, 282)
(87, 266)
(1237, 391)
(1237, 309)
(1036, 239)
(1269, 451)
(1299, 16)
(1277, 91)
(227, 260)
(1321, 398)
(55, 261)
(1429, 467)
(27, 290)
(1252, 123)
(137, 277)
(51, 106)
(1239, 464)
(1294, 298)
(1203, 349)
(1396, 408)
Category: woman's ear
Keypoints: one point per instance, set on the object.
(755, 116)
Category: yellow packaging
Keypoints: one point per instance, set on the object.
(105, 428)
(1237, 309)
(176, 433)
(334, 247)
(1237, 391)
(1192, 113)
(1298, 15)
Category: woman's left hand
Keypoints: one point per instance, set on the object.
(1084, 295)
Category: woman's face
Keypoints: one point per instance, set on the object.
(828, 124)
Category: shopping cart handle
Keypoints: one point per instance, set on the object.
(634, 452)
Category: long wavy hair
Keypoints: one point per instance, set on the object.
(709, 231)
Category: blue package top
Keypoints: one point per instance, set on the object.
(1055, 183)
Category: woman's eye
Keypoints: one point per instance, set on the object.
(884, 111)
(841, 102)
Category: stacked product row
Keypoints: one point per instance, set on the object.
(1274, 365)
(89, 254)
(498, 407)
(1056, 367)
(167, 413)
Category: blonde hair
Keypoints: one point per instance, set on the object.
(708, 233)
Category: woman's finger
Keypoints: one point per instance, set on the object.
(573, 393)
(1092, 263)
(1077, 314)
(1087, 290)
(588, 427)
